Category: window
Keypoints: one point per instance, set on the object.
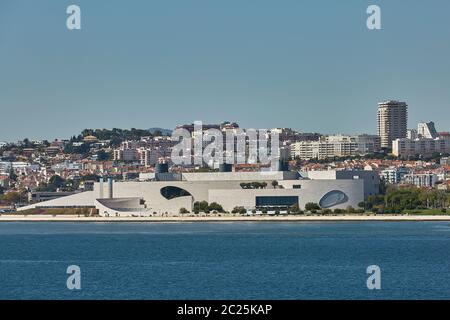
(173, 192)
(283, 201)
(333, 198)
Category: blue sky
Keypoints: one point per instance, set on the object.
(311, 65)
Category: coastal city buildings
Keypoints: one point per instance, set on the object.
(394, 175)
(311, 167)
(420, 146)
(330, 189)
(392, 121)
(426, 130)
(412, 134)
(425, 141)
(421, 180)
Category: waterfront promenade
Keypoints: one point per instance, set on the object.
(281, 218)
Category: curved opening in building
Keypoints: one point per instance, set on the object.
(333, 198)
(171, 192)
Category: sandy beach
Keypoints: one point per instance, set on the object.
(331, 218)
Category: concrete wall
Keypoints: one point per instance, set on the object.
(311, 191)
(155, 202)
(371, 178)
(82, 199)
(227, 193)
(240, 176)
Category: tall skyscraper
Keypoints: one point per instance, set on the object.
(392, 121)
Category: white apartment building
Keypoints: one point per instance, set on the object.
(394, 175)
(125, 155)
(412, 134)
(335, 146)
(421, 146)
(5, 166)
(421, 180)
(148, 157)
(392, 121)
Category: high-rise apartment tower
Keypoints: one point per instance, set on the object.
(392, 121)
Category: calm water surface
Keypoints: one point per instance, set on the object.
(225, 260)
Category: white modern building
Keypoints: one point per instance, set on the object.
(445, 161)
(394, 175)
(169, 192)
(421, 180)
(335, 146)
(148, 157)
(427, 130)
(125, 155)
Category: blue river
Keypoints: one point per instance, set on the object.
(225, 260)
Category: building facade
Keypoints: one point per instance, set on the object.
(330, 190)
(421, 180)
(420, 147)
(335, 146)
(392, 121)
(427, 130)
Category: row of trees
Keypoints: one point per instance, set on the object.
(115, 135)
(11, 198)
(385, 155)
(204, 206)
(253, 185)
(399, 199)
(259, 185)
(295, 209)
(85, 149)
(55, 183)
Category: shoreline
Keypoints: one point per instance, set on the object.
(177, 219)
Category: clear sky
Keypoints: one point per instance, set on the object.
(307, 64)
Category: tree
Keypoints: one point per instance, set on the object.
(240, 210)
(12, 174)
(184, 210)
(45, 187)
(2, 190)
(201, 206)
(102, 155)
(295, 208)
(350, 209)
(90, 177)
(274, 184)
(56, 181)
(214, 206)
(312, 206)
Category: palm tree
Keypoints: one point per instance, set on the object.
(274, 184)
